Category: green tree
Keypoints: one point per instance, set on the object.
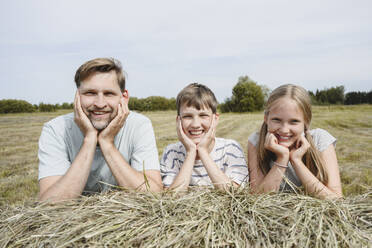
(247, 96)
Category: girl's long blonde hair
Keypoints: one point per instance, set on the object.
(312, 158)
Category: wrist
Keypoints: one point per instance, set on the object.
(105, 143)
(91, 137)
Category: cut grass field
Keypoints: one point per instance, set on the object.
(351, 125)
(201, 218)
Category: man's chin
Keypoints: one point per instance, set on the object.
(99, 125)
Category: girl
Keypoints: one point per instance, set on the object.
(285, 147)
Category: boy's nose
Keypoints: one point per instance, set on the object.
(195, 122)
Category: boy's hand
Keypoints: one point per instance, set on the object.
(299, 150)
(186, 141)
(81, 119)
(208, 138)
(108, 134)
(272, 144)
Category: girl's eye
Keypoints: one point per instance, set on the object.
(186, 116)
(275, 120)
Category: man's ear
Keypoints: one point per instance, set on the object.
(125, 94)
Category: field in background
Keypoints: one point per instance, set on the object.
(351, 125)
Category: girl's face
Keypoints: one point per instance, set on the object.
(286, 121)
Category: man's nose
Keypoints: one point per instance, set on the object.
(100, 101)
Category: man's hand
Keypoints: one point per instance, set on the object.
(301, 146)
(186, 141)
(108, 134)
(81, 119)
(208, 138)
(272, 144)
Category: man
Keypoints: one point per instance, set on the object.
(101, 144)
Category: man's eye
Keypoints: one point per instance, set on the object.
(89, 93)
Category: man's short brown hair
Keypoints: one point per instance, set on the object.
(198, 96)
(100, 65)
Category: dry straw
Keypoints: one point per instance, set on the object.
(201, 218)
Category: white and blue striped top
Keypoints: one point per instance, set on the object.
(227, 154)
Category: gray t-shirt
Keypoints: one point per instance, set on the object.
(61, 139)
(322, 139)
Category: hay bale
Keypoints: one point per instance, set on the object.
(201, 218)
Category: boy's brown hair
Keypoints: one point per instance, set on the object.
(100, 65)
(198, 96)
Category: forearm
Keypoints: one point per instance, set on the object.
(124, 174)
(218, 177)
(312, 184)
(72, 184)
(183, 178)
(271, 182)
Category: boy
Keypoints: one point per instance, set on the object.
(199, 158)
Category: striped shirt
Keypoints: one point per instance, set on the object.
(227, 155)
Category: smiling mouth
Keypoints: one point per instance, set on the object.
(283, 138)
(196, 132)
(98, 114)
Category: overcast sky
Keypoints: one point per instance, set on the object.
(165, 45)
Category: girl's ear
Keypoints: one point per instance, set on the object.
(265, 118)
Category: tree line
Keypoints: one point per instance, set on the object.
(247, 96)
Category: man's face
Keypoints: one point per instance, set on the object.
(99, 97)
(195, 123)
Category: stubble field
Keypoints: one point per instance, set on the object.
(351, 125)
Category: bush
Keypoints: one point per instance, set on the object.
(43, 107)
(15, 106)
(152, 103)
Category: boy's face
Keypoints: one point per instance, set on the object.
(195, 123)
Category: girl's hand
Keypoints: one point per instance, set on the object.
(299, 149)
(272, 144)
(186, 141)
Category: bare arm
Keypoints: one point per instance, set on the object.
(71, 185)
(258, 181)
(311, 183)
(218, 177)
(183, 178)
(124, 174)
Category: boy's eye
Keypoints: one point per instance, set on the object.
(204, 115)
(186, 116)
